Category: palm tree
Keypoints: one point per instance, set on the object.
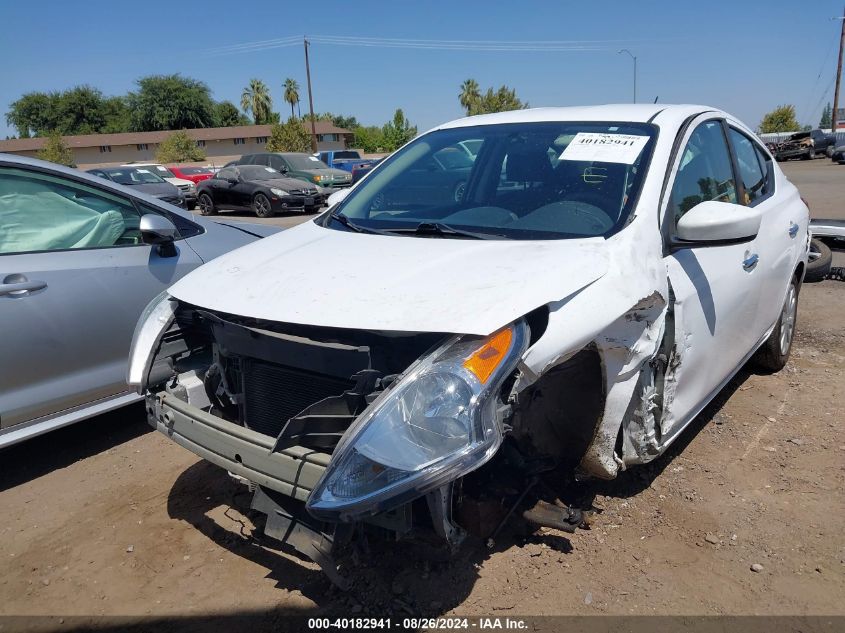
(469, 95)
(291, 93)
(256, 99)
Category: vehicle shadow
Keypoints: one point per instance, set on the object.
(387, 578)
(40, 455)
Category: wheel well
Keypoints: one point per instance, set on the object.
(559, 414)
(799, 273)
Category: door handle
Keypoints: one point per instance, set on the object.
(750, 262)
(793, 229)
(21, 287)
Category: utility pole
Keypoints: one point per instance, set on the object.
(833, 115)
(625, 50)
(310, 99)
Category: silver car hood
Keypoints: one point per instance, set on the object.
(318, 276)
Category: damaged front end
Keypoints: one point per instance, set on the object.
(337, 430)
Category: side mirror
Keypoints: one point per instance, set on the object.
(718, 222)
(157, 230)
(337, 196)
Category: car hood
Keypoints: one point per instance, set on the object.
(337, 174)
(158, 189)
(287, 184)
(317, 276)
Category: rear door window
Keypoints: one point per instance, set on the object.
(751, 172)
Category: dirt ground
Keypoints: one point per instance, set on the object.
(107, 517)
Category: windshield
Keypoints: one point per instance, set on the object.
(304, 161)
(547, 180)
(138, 176)
(256, 172)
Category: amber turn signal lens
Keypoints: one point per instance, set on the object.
(484, 361)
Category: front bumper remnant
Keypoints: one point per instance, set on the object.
(293, 471)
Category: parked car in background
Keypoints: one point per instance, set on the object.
(302, 166)
(80, 257)
(838, 155)
(415, 357)
(188, 188)
(263, 190)
(142, 179)
(195, 174)
(359, 171)
(345, 159)
(805, 145)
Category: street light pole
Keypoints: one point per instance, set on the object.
(634, 57)
(310, 99)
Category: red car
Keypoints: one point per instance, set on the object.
(195, 174)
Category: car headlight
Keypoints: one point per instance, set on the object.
(437, 423)
(279, 192)
(318, 178)
(154, 321)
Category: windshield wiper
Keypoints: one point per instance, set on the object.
(345, 221)
(444, 230)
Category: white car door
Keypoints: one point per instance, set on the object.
(783, 225)
(716, 287)
(74, 278)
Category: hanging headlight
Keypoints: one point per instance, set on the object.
(154, 321)
(436, 424)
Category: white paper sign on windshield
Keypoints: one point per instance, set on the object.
(605, 148)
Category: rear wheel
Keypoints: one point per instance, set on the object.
(261, 206)
(818, 262)
(206, 205)
(774, 353)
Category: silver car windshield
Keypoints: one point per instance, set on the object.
(544, 180)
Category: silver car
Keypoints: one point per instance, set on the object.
(80, 257)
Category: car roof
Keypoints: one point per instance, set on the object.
(663, 114)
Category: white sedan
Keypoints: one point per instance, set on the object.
(604, 272)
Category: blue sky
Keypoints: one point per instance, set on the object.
(722, 53)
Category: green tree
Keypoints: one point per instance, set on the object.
(291, 93)
(56, 150)
(226, 114)
(827, 117)
(470, 95)
(32, 114)
(170, 102)
(79, 110)
(781, 119)
(398, 131)
(289, 137)
(179, 148)
(116, 114)
(256, 99)
(369, 139)
(501, 100)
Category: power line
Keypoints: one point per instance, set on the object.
(424, 44)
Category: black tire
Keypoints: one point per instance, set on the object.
(460, 190)
(774, 353)
(261, 206)
(818, 265)
(206, 204)
(810, 155)
(829, 151)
